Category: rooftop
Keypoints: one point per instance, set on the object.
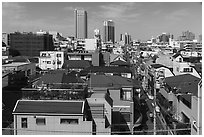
(156, 66)
(186, 83)
(104, 81)
(120, 63)
(105, 69)
(59, 79)
(76, 64)
(49, 107)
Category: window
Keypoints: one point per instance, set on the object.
(43, 55)
(187, 69)
(125, 94)
(40, 121)
(58, 55)
(180, 59)
(24, 123)
(59, 62)
(69, 121)
(48, 62)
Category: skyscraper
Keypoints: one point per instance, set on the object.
(80, 24)
(109, 31)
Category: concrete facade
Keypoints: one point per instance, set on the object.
(51, 60)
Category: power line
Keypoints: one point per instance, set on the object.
(184, 129)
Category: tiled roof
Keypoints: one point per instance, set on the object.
(110, 81)
(49, 107)
(76, 64)
(105, 69)
(186, 83)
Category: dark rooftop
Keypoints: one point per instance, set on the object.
(50, 107)
(76, 64)
(111, 82)
(59, 79)
(186, 83)
(105, 69)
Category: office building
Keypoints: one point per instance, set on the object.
(80, 24)
(109, 31)
(187, 35)
(30, 44)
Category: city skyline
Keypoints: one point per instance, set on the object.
(141, 20)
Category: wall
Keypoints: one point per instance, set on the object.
(53, 124)
(101, 122)
(179, 66)
(52, 57)
(90, 44)
(196, 128)
(115, 95)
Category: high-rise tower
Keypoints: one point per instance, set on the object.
(109, 31)
(80, 24)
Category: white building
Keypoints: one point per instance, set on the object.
(180, 67)
(90, 44)
(51, 60)
(51, 117)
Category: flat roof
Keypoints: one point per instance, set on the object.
(68, 107)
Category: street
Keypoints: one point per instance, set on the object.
(147, 125)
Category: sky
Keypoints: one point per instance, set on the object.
(141, 20)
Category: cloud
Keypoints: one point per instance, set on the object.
(177, 15)
(69, 8)
(120, 11)
(12, 10)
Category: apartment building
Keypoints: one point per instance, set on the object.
(51, 60)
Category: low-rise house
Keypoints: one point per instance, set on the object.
(184, 95)
(125, 94)
(181, 67)
(52, 117)
(162, 70)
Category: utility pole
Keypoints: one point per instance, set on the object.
(154, 102)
